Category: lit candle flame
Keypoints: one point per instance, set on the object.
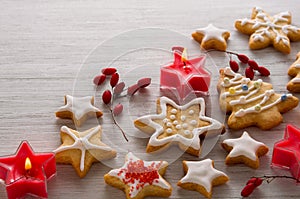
(184, 55)
(27, 164)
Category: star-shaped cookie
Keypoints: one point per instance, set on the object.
(266, 30)
(212, 37)
(82, 149)
(185, 125)
(244, 150)
(78, 109)
(201, 176)
(294, 72)
(139, 178)
(286, 153)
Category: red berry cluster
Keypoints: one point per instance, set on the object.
(252, 65)
(117, 88)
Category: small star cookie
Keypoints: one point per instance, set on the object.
(201, 176)
(294, 72)
(244, 150)
(78, 109)
(212, 37)
(185, 125)
(139, 178)
(82, 149)
(266, 30)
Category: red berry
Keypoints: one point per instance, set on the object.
(255, 181)
(253, 64)
(243, 58)
(234, 65)
(118, 109)
(119, 88)
(99, 79)
(248, 189)
(249, 73)
(133, 89)
(144, 82)
(263, 71)
(108, 71)
(114, 79)
(106, 96)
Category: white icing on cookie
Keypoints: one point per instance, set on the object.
(243, 146)
(79, 106)
(212, 32)
(135, 165)
(296, 80)
(82, 143)
(297, 65)
(190, 123)
(202, 173)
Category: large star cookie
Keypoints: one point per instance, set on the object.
(286, 153)
(252, 103)
(244, 150)
(139, 178)
(185, 125)
(212, 37)
(294, 72)
(82, 149)
(78, 109)
(201, 176)
(266, 30)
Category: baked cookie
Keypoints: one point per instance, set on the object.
(244, 150)
(201, 176)
(82, 149)
(251, 103)
(294, 72)
(266, 30)
(185, 125)
(139, 178)
(78, 109)
(212, 37)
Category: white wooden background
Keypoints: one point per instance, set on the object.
(51, 48)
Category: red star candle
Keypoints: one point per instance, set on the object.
(27, 172)
(286, 153)
(185, 76)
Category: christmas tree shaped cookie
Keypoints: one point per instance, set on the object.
(251, 103)
(294, 72)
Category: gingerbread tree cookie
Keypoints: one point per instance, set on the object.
(266, 30)
(251, 103)
(294, 72)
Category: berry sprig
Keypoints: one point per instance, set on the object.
(251, 68)
(116, 90)
(254, 182)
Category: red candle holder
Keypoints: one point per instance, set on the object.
(27, 172)
(185, 76)
(286, 153)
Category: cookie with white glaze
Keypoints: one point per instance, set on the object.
(185, 125)
(139, 178)
(82, 149)
(79, 109)
(294, 72)
(211, 37)
(251, 103)
(244, 150)
(266, 30)
(201, 176)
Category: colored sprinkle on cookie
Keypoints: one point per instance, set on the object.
(139, 178)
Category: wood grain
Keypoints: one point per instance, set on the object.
(49, 49)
